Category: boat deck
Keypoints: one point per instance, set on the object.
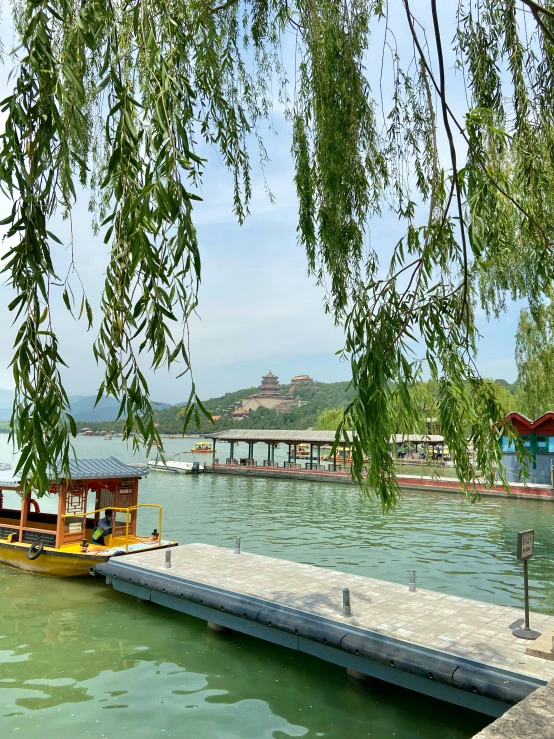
(453, 648)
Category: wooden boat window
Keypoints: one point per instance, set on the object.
(107, 498)
(75, 503)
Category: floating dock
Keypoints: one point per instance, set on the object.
(454, 649)
(406, 482)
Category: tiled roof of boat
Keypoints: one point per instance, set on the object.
(93, 469)
(96, 469)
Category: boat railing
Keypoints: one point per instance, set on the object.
(127, 512)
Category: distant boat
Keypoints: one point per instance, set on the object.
(202, 447)
(108, 437)
(175, 466)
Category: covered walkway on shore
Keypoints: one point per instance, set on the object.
(298, 443)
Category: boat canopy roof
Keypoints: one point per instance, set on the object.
(108, 468)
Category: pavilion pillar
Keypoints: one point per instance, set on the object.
(295, 454)
(213, 454)
(289, 453)
(268, 452)
(344, 454)
(335, 461)
(232, 452)
(311, 455)
(319, 454)
(273, 452)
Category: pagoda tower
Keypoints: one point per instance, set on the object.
(270, 385)
(269, 396)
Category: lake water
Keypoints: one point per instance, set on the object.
(77, 658)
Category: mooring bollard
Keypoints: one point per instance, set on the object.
(168, 557)
(237, 545)
(346, 609)
(412, 585)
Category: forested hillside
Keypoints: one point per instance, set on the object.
(321, 405)
(315, 399)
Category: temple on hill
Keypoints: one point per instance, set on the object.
(269, 396)
(300, 381)
(270, 385)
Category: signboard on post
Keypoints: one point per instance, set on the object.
(525, 541)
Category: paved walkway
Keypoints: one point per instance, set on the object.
(460, 626)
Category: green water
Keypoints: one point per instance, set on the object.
(79, 659)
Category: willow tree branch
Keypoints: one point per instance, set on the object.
(463, 133)
(452, 146)
(537, 8)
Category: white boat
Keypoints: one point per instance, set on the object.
(175, 466)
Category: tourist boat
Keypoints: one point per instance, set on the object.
(108, 437)
(60, 543)
(202, 447)
(175, 466)
(302, 450)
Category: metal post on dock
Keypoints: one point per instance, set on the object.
(412, 584)
(346, 609)
(237, 545)
(168, 558)
(525, 545)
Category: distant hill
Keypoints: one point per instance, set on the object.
(315, 399)
(82, 407)
(106, 410)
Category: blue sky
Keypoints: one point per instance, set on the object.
(258, 308)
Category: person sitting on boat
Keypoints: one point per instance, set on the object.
(103, 528)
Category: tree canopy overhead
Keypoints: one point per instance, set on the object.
(114, 96)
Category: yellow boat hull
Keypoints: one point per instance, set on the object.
(69, 562)
(54, 562)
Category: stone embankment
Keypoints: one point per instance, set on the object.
(532, 717)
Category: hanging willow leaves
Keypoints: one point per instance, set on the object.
(114, 97)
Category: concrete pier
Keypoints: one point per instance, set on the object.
(451, 648)
(533, 717)
(416, 483)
